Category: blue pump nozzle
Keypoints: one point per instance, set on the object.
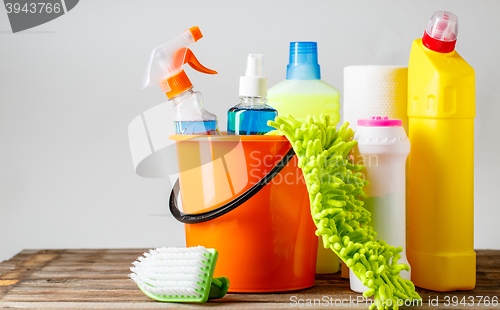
(303, 63)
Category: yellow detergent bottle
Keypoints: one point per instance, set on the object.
(441, 111)
(303, 93)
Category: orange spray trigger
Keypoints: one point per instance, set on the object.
(191, 59)
(195, 33)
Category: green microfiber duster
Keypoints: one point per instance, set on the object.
(335, 189)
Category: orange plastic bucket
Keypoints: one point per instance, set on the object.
(266, 244)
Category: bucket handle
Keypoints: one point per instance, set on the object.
(215, 213)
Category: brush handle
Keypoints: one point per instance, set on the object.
(218, 288)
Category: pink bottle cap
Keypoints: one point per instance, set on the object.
(379, 121)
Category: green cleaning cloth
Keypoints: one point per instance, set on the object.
(335, 189)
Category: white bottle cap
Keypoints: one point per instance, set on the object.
(253, 84)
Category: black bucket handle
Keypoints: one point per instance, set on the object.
(215, 213)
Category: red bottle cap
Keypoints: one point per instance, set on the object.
(441, 32)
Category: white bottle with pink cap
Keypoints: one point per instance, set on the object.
(383, 148)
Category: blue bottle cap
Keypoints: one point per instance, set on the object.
(303, 64)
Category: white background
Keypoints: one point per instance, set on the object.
(70, 87)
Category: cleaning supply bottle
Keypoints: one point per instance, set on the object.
(165, 70)
(441, 111)
(251, 115)
(382, 147)
(303, 93)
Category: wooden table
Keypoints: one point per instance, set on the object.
(98, 279)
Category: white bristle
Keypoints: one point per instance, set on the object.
(171, 271)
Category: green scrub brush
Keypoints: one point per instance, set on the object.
(335, 187)
(179, 275)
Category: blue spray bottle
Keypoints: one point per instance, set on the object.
(251, 115)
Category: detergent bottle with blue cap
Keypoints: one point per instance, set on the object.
(165, 70)
(303, 93)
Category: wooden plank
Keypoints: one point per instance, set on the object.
(80, 275)
(96, 279)
(208, 305)
(158, 305)
(79, 283)
(125, 290)
(80, 251)
(86, 268)
(87, 257)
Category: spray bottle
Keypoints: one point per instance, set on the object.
(441, 111)
(165, 70)
(251, 115)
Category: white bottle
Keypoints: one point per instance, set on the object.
(383, 148)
